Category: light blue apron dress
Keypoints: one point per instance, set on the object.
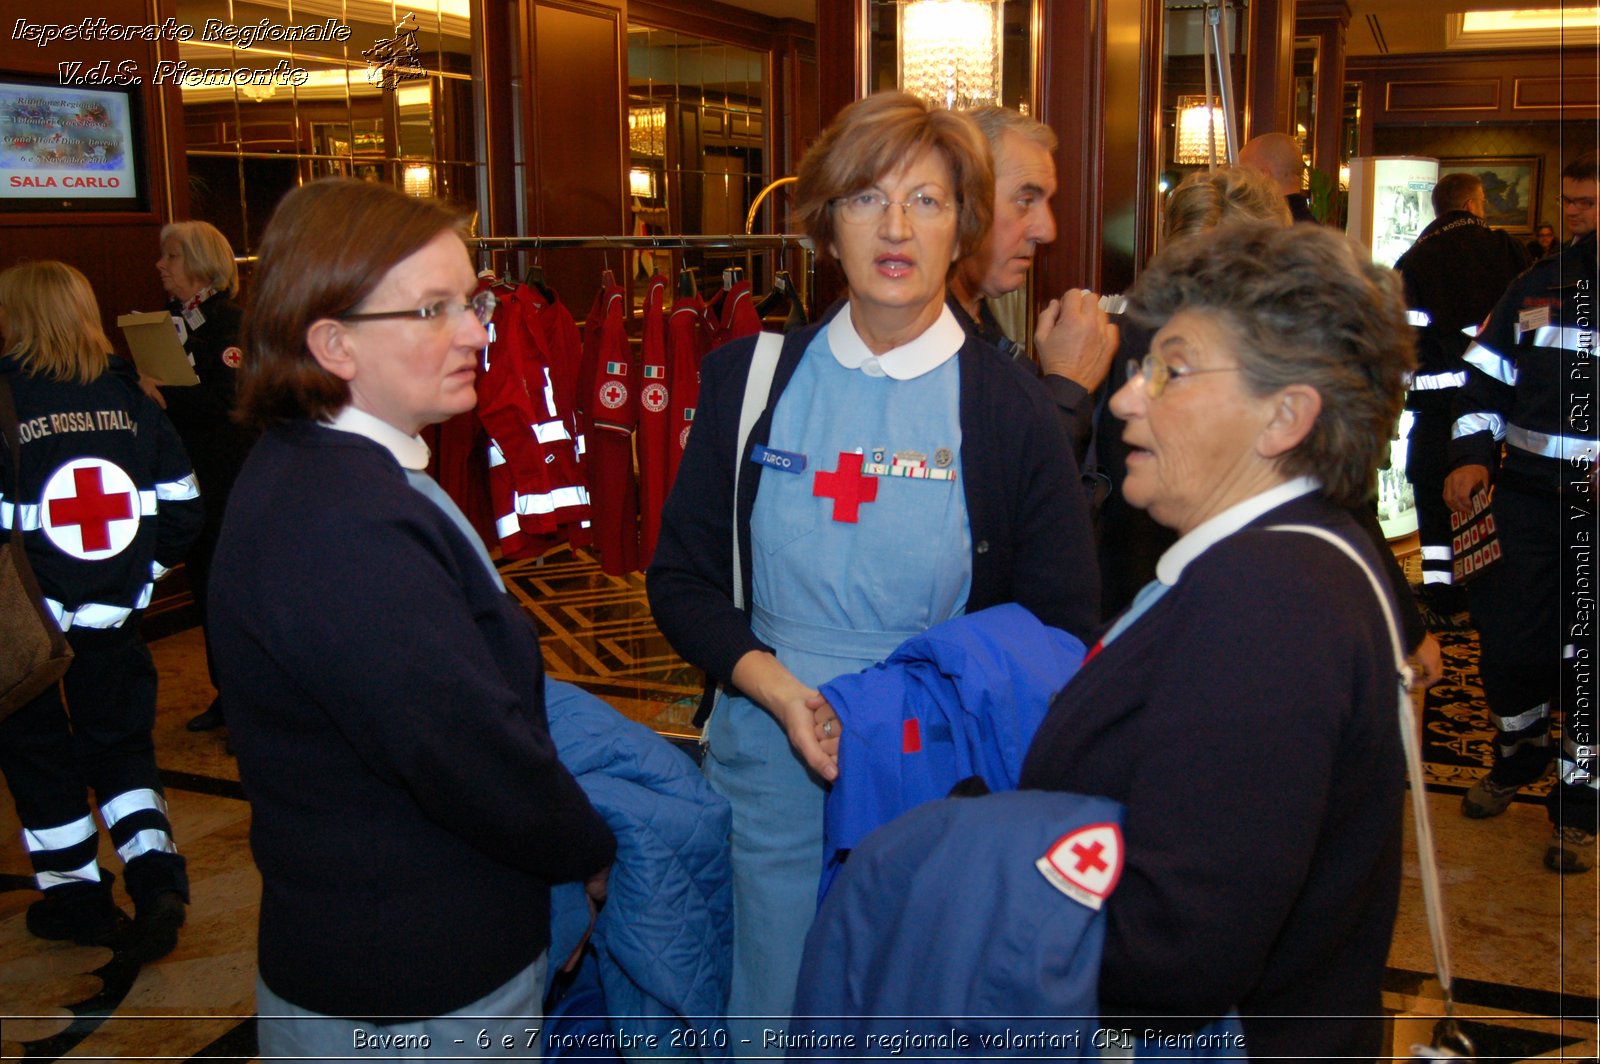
(832, 597)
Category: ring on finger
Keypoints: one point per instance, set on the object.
(827, 729)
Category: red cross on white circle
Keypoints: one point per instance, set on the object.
(1089, 859)
(613, 394)
(90, 509)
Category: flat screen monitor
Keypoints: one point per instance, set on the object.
(70, 148)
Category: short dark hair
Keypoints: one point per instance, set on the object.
(872, 137)
(1585, 167)
(328, 245)
(1455, 191)
(1307, 306)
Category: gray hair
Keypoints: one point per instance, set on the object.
(1307, 306)
(996, 122)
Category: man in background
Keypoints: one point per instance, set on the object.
(1454, 274)
(1073, 338)
(1278, 156)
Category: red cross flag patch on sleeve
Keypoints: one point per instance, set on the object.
(232, 357)
(90, 509)
(1085, 864)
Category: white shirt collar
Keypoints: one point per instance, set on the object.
(932, 349)
(1203, 536)
(409, 451)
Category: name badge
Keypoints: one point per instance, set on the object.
(1532, 319)
(782, 461)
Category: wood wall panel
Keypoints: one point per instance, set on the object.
(1455, 94)
(117, 252)
(1552, 93)
(1503, 86)
(578, 163)
(1269, 95)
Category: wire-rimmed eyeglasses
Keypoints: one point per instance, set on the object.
(480, 306)
(862, 208)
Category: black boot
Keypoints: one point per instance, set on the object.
(78, 912)
(158, 883)
(209, 720)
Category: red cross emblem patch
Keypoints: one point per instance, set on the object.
(90, 509)
(1085, 864)
(846, 487)
(613, 394)
(654, 397)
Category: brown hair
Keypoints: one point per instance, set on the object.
(51, 322)
(328, 245)
(1455, 191)
(207, 255)
(1307, 306)
(1206, 199)
(1585, 167)
(872, 137)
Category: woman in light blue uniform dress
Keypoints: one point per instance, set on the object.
(898, 476)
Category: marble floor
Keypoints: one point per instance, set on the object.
(1523, 941)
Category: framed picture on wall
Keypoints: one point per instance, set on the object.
(1511, 185)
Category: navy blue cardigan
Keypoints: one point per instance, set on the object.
(386, 699)
(1031, 540)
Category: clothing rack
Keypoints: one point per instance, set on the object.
(738, 241)
(750, 243)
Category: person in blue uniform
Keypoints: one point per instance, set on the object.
(385, 694)
(1243, 709)
(107, 503)
(899, 473)
(197, 270)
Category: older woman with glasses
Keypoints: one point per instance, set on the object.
(1243, 708)
(896, 474)
(385, 694)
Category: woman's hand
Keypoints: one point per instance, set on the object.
(792, 704)
(1427, 664)
(1075, 339)
(829, 727)
(151, 386)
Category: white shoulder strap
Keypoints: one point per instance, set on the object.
(757, 387)
(1410, 742)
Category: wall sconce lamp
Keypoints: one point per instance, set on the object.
(417, 180)
(642, 182)
(1199, 128)
(950, 51)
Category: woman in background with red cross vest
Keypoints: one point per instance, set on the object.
(107, 503)
(899, 474)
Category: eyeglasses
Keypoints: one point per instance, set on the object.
(862, 208)
(480, 306)
(1157, 374)
(1583, 203)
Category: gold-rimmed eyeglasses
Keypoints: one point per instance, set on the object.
(1157, 374)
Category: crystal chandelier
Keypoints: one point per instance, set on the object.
(1198, 127)
(950, 51)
